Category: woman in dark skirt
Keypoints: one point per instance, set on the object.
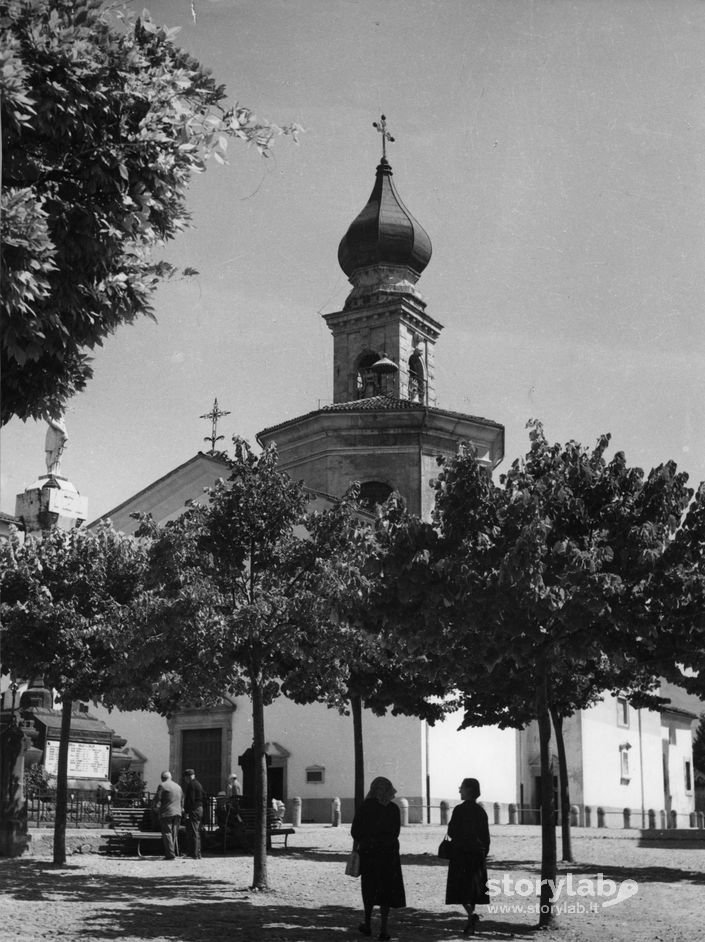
(375, 830)
(470, 843)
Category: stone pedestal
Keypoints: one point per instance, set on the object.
(52, 501)
(14, 839)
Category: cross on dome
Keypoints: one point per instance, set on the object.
(386, 136)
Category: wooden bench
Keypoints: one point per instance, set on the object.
(130, 826)
(275, 826)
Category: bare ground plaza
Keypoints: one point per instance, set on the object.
(97, 898)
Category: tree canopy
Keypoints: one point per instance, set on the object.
(543, 587)
(361, 665)
(104, 121)
(65, 613)
(229, 610)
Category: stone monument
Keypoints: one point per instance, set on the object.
(52, 500)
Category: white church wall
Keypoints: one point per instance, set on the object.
(573, 742)
(485, 753)
(678, 745)
(318, 737)
(622, 761)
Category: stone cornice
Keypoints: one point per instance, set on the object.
(376, 314)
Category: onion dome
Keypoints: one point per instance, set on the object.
(385, 232)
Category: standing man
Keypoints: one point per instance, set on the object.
(169, 802)
(193, 809)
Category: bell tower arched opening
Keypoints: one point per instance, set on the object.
(366, 380)
(417, 378)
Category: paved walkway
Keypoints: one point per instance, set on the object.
(96, 898)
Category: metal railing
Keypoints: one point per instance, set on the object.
(87, 811)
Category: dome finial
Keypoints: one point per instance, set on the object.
(386, 136)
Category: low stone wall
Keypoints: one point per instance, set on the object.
(78, 841)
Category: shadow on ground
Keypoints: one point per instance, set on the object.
(240, 921)
(191, 908)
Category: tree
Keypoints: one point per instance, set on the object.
(104, 122)
(229, 611)
(699, 745)
(360, 667)
(66, 602)
(676, 597)
(546, 576)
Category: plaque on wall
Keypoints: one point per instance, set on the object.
(86, 759)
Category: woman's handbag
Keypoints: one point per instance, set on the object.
(352, 867)
(444, 848)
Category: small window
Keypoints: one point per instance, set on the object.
(624, 772)
(672, 735)
(622, 711)
(688, 776)
(315, 775)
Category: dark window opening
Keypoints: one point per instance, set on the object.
(417, 382)
(366, 381)
(373, 493)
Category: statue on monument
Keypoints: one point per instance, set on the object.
(54, 444)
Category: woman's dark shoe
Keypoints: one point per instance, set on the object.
(365, 928)
(384, 937)
(471, 923)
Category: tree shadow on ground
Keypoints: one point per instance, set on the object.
(42, 880)
(241, 921)
(649, 874)
(192, 908)
(640, 874)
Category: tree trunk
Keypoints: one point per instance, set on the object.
(259, 878)
(548, 815)
(356, 706)
(566, 850)
(62, 783)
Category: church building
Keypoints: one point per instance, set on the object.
(384, 430)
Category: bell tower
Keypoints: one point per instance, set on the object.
(383, 428)
(383, 339)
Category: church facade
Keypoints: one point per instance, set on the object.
(385, 430)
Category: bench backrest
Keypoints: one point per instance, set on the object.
(130, 819)
(248, 816)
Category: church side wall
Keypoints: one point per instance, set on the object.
(677, 745)
(605, 783)
(485, 753)
(573, 742)
(318, 737)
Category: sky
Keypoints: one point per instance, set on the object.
(554, 150)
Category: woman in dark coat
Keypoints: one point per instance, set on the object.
(375, 831)
(470, 843)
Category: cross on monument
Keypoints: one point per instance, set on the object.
(214, 415)
(386, 136)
